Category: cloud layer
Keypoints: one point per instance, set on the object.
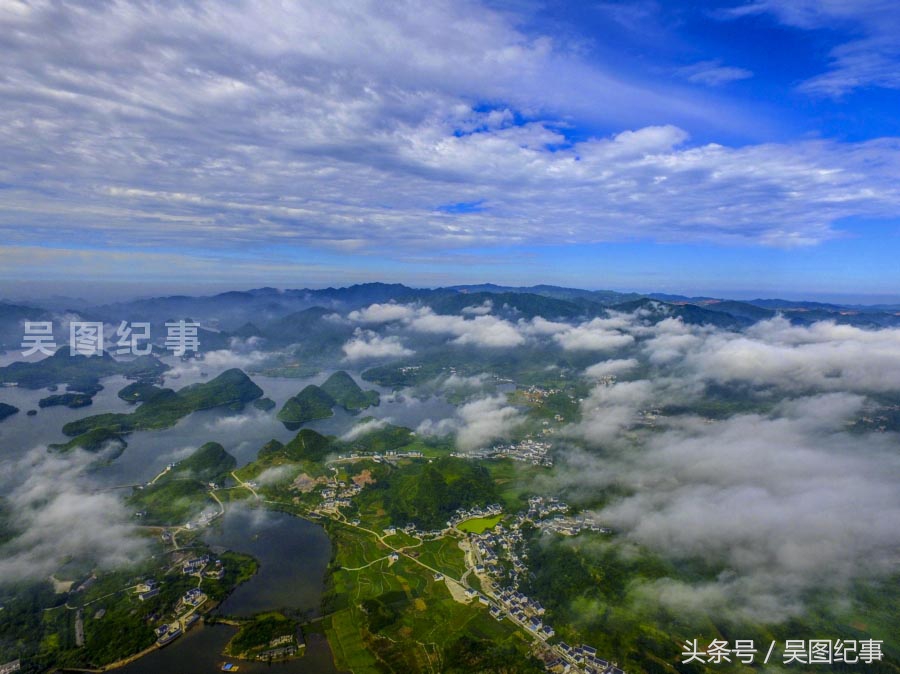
(262, 126)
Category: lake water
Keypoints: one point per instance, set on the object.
(199, 651)
(293, 553)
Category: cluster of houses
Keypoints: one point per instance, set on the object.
(648, 417)
(378, 457)
(538, 394)
(338, 496)
(529, 450)
(193, 598)
(204, 520)
(280, 648)
(524, 610)
(147, 590)
(463, 514)
(571, 526)
(540, 507)
(194, 566)
(586, 658)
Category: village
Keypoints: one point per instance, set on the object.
(497, 558)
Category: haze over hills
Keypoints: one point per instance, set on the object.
(274, 314)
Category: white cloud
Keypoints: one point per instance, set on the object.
(872, 58)
(479, 331)
(383, 313)
(595, 335)
(61, 517)
(479, 310)
(364, 427)
(367, 344)
(477, 424)
(372, 105)
(823, 356)
(786, 503)
(614, 367)
(713, 73)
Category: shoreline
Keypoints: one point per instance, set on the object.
(229, 621)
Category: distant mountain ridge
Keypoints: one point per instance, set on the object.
(280, 316)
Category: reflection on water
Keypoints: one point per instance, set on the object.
(200, 651)
(293, 555)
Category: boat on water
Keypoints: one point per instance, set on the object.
(230, 667)
(169, 637)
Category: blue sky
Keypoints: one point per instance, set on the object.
(739, 148)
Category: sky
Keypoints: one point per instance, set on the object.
(742, 148)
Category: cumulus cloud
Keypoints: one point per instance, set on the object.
(613, 367)
(61, 517)
(382, 313)
(824, 356)
(596, 335)
(373, 105)
(364, 427)
(368, 344)
(610, 409)
(479, 310)
(477, 423)
(487, 331)
(276, 475)
(484, 421)
(782, 502)
(785, 503)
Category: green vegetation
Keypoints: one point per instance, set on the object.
(232, 389)
(138, 392)
(183, 492)
(92, 441)
(81, 373)
(479, 525)
(385, 617)
(428, 494)
(310, 404)
(308, 445)
(257, 634)
(480, 656)
(38, 624)
(210, 463)
(380, 439)
(172, 502)
(347, 393)
(70, 400)
(264, 404)
(7, 410)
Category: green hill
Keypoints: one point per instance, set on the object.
(81, 373)
(70, 400)
(7, 410)
(92, 441)
(387, 437)
(308, 445)
(347, 393)
(210, 463)
(429, 494)
(231, 389)
(182, 493)
(138, 392)
(310, 404)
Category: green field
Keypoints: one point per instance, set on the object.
(478, 525)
